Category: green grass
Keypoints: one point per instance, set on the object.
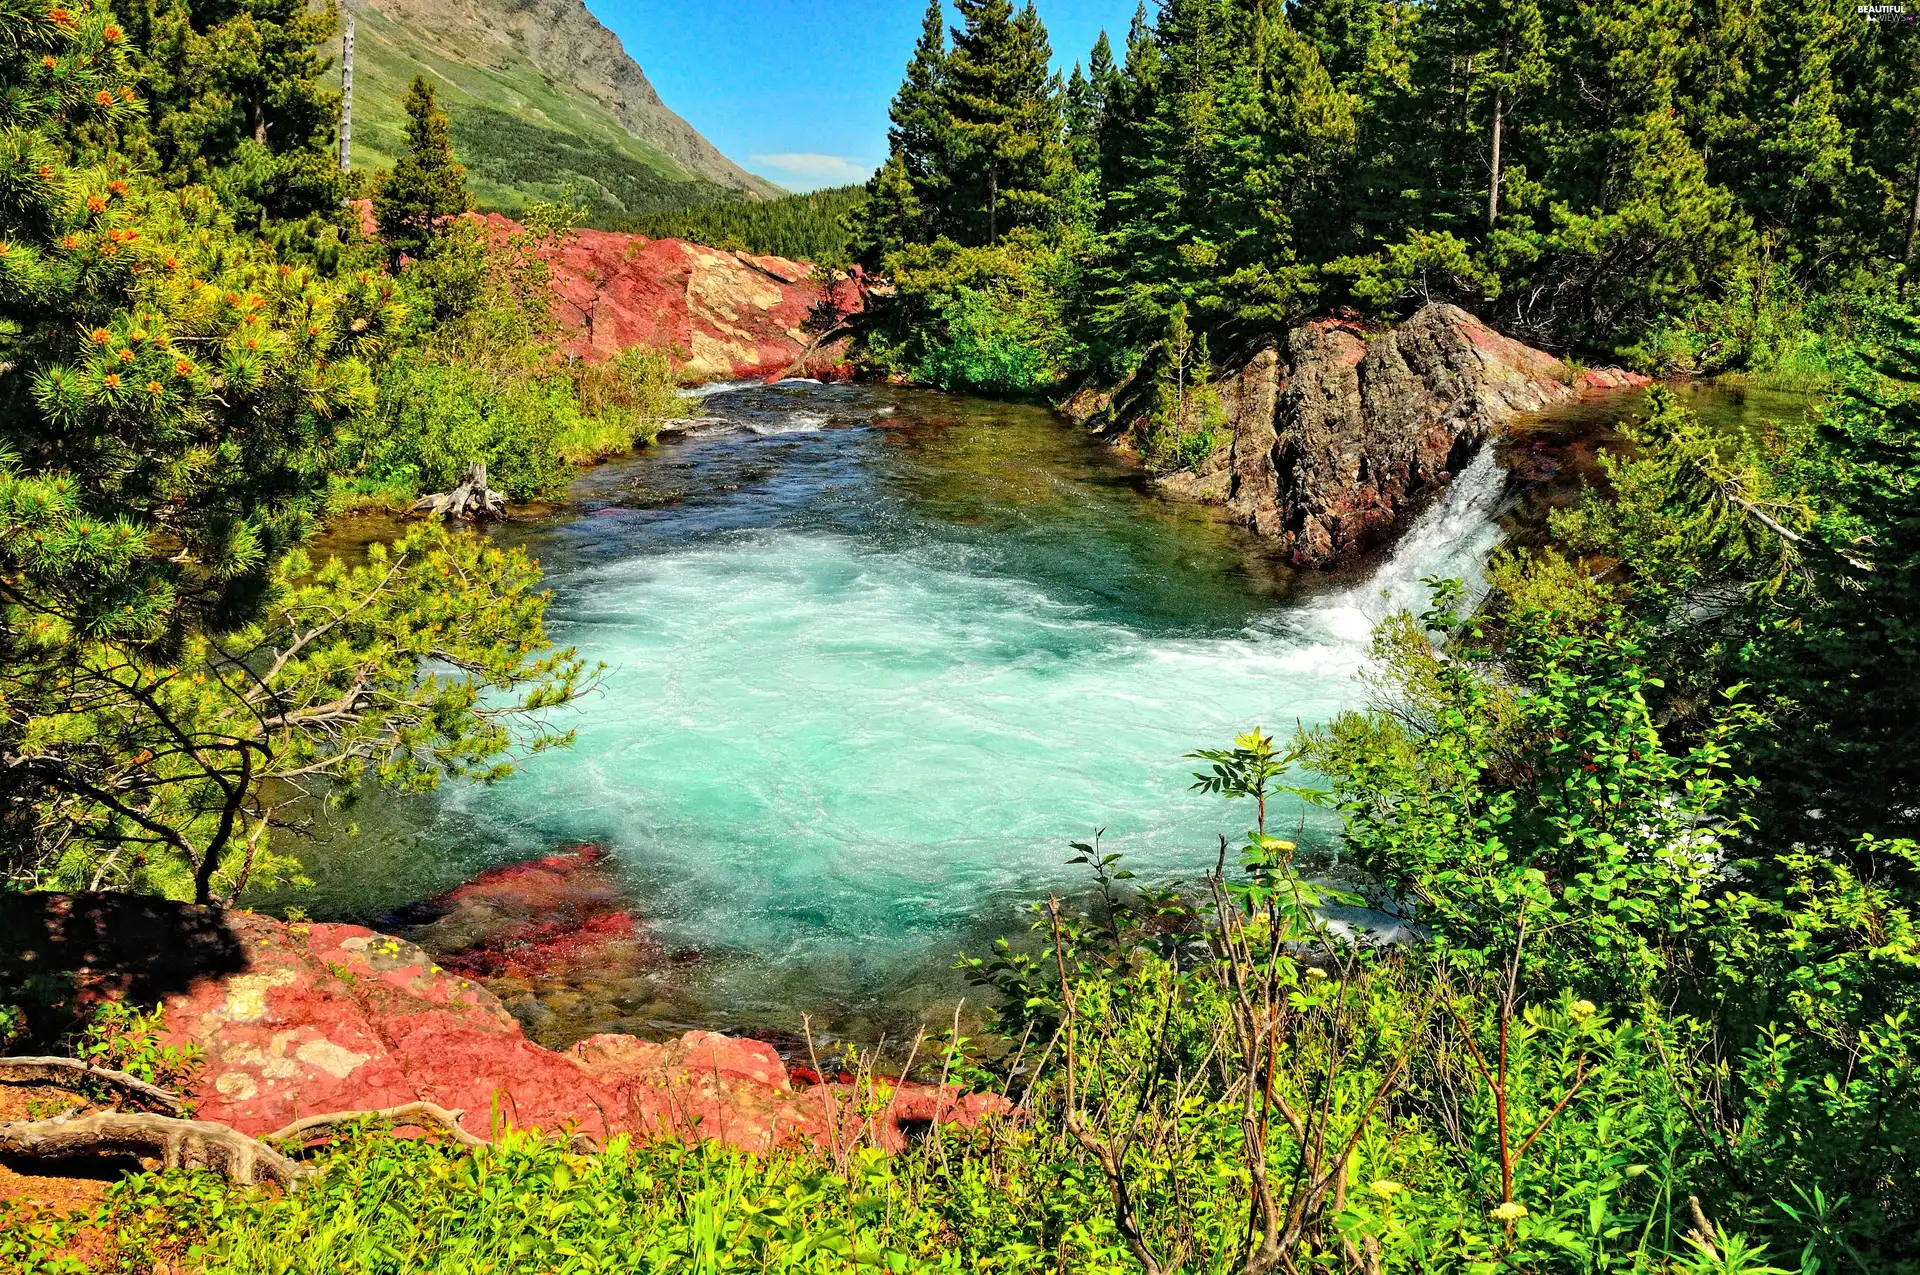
(522, 135)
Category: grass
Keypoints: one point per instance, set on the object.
(523, 135)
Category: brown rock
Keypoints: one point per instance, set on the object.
(1338, 436)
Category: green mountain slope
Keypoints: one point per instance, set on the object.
(540, 94)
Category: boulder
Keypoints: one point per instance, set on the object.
(1339, 432)
(297, 1019)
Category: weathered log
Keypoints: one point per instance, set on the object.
(193, 1144)
(471, 498)
(421, 1115)
(67, 1071)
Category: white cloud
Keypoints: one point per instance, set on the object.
(817, 170)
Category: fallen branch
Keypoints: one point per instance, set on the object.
(190, 1144)
(65, 1071)
(420, 1115)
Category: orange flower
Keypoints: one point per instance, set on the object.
(5, 248)
(109, 250)
(112, 380)
(45, 172)
(313, 329)
(155, 388)
(96, 204)
(49, 62)
(126, 356)
(126, 94)
(182, 368)
(116, 188)
(101, 336)
(173, 263)
(103, 97)
(112, 34)
(60, 17)
(252, 344)
(69, 242)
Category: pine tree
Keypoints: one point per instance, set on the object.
(1005, 162)
(917, 130)
(427, 186)
(1085, 107)
(892, 216)
(239, 98)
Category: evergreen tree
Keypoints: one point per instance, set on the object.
(1005, 163)
(917, 130)
(892, 216)
(427, 186)
(238, 97)
(1085, 105)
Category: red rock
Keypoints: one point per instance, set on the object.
(719, 314)
(525, 917)
(295, 1019)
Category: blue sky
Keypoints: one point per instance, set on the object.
(797, 90)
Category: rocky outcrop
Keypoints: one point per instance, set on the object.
(1338, 432)
(293, 1019)
(720, 314)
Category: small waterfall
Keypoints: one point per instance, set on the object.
(1450, 540)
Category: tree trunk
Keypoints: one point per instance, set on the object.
(1493, 187)
(346, 93)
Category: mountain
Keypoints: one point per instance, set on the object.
(539, 94)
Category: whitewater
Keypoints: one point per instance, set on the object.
(872, 667)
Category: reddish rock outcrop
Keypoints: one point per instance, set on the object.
(720, 314)
(295, 1019)
(1338, 432)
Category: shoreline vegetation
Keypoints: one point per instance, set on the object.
(1651, 805)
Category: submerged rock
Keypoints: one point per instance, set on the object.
(296, 1019)
(1338, 432)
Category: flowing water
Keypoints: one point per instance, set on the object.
(874, 657)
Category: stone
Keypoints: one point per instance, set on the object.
(1339, 432)
(298, 1019)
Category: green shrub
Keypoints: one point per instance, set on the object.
(435, 418)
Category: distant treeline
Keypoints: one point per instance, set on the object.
(805, 227)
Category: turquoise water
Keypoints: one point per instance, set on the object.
(874, 658)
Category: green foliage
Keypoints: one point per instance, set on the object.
(811, 227)
(984, 319)
(1186, 423)
(426, 187)
(429, 661)
(127, 1038)
(241, 98)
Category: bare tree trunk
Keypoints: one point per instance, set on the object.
(1493, 187)
(346, 92)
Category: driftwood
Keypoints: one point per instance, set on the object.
(68, 1071)
(192, 1144)
(421, 1115)
(472, 498)
(204, 1144)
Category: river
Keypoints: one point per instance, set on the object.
(875, 657)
